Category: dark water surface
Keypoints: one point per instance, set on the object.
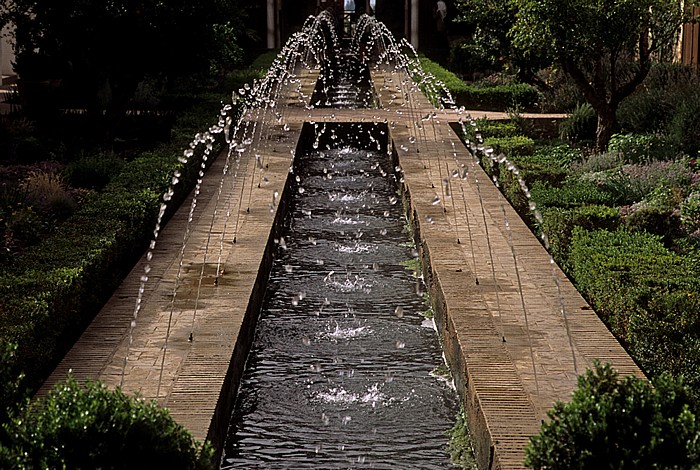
(340, 371)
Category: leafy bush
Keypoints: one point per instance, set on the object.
(631, 279)
(597, 162)
(470, 58)
(517, 145)
(573, 192)
(684, 128)
(53, 289)
(559, 223)
(544, 165)
(634, 182)
(496, 129)
(580, 125)
(690, 214)
(614, 422)
(499, 97)
(654, 103)
(89, 426)
(641, 148)
(93, 171)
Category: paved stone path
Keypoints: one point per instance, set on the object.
(505, 336)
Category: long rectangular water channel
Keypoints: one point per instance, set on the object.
(342, 371)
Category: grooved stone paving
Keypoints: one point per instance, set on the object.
(512, 350)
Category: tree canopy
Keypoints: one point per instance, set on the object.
(606, 47)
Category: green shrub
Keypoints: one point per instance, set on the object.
(664, 337)
(684, 127)
(52, 290)
(635, 182)
(487, 97)
(499, 97)
(580, 125)
(496, 129)
(559, 223)
(89, 426)
(471, 58)
(92, 171)
(544, 165)
(459, 446)
(510, 146)
(690, 214)
(573, 192)
(624, 275)
(640, 148)
(654, 103)
(657, 219)
(47, 194)
(616, 423)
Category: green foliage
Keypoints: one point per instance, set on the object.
(635, 182)
(659, 219)
(459, 446)
(472, 58)
(617, 423)
(651, 108)
(639, 148)
(499, 97)
(489, 23)
(516, 145)
(684, 127)
(92, 171)
(11, 392)
(580, 125)
(647, 294)
(51, 290)
(89, 426)
(690, 214)
(605, 47)
(228, 54)
(573, 192)
(559, 223)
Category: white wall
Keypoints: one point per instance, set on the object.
(6, 55)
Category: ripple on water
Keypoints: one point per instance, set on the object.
(336, 379)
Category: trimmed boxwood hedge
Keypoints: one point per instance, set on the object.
(647, 294)
(494, 98)
(53, 290)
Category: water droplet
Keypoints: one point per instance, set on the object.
(398, 311)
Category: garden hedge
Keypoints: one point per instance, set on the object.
(53, 290)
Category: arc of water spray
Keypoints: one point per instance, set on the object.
(520, 292)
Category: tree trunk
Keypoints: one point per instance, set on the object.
(607, 125)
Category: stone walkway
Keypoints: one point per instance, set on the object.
(505, 336)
